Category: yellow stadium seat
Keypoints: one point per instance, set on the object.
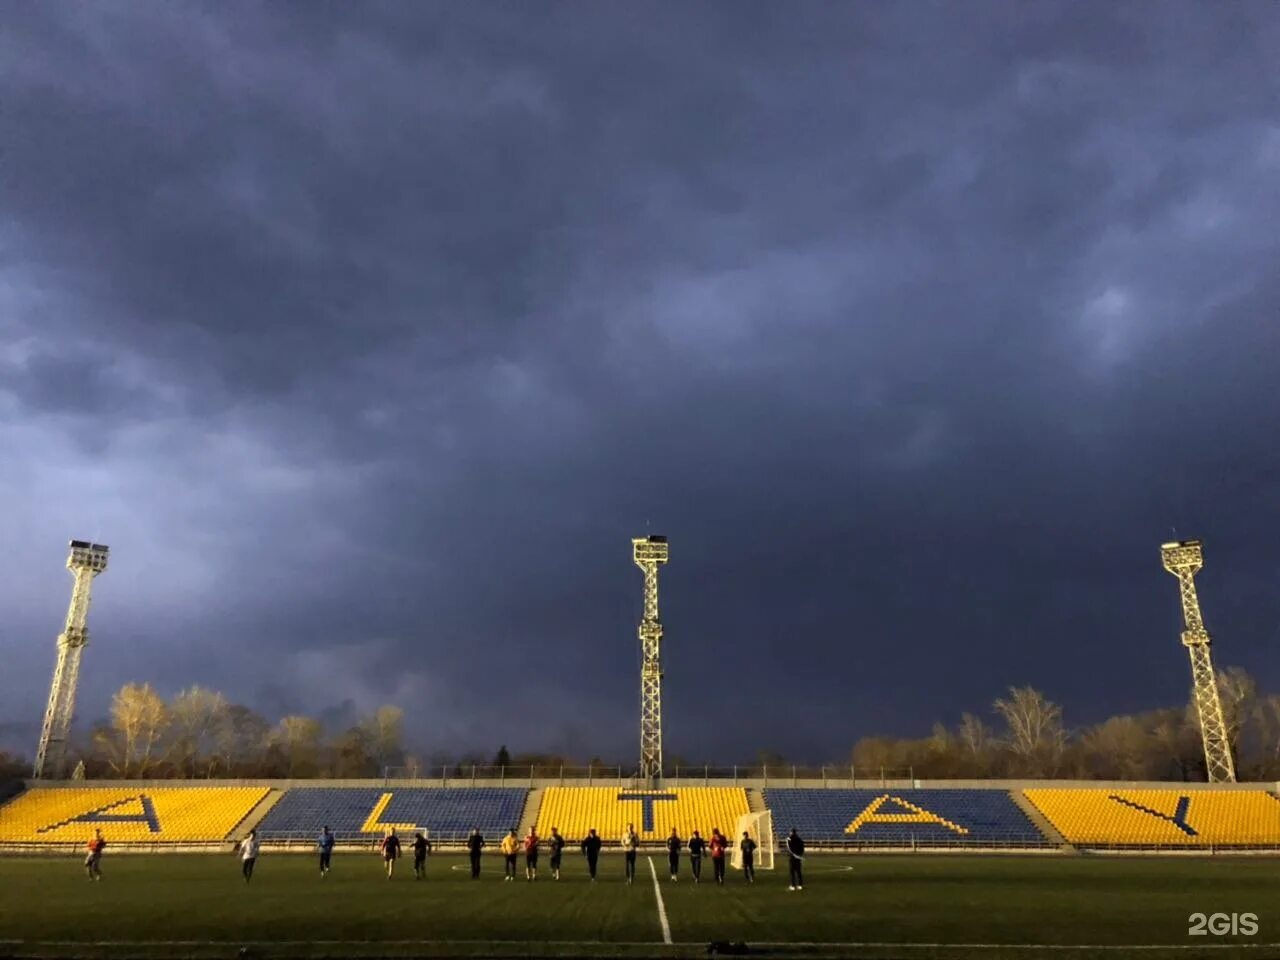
(160, 815)
(575, 810)
(1181, 818)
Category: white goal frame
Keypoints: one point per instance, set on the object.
(760, 826)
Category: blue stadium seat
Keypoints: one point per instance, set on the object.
(902, 817)
(364, 813)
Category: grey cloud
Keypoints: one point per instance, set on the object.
(382, 333)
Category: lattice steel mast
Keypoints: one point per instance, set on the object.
(649, 554)
(1183, 560)
(85, 562)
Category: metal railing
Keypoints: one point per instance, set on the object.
(509, 775)
(530, 774)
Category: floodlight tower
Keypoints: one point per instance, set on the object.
(85, 562)
(649, 554)
(1183, 559)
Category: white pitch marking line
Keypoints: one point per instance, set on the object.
(662, 910)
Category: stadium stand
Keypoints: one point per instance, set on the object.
(1156, 818)
(161, 815)
(576, 810)
(903, 817)
(364, 813)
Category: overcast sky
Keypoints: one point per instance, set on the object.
(368, 335)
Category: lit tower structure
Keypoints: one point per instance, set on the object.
(85, 562)
(650, 553)
(1183, 559)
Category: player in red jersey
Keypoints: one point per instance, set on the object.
(718, 846)
(531, 842)
(93, 861)
(390, 848)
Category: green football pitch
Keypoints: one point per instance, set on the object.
(860, 906)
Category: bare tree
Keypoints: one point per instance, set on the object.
(1175, 744)
(196, 714)
(974, 735)
(386, 735)
(873, 754)
(241, 738)
(298, 740)
(1267, 714)
(1120, 749)
(351, 754)
(1239, 694)
(1034, 729)
(139, 720)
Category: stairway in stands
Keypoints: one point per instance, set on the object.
(1041, 821)
(254, 816)
(532, 804)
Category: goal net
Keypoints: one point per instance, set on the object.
(760, 827)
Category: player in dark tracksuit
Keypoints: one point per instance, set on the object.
(475, 843)
(748, 848)
(421, 847)
(591, 849)
(673, 853)
(556, 843)
(325, 846)
(696, 848)
(795, 856)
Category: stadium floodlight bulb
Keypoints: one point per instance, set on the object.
(1182, 555)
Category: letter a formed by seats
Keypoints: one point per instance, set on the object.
(902, 811)
(160, 815)
(115, 812)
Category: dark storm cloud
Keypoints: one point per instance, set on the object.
(368, 336)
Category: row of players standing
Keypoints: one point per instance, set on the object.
(593, 843)
(511, 846)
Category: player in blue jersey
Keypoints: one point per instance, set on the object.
(325, 846)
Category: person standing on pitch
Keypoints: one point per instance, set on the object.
(696, 847)
(630, 844)
(475, 843)
(390, 851)
(325, 846)
(248, 848)
(748, 848)
(717, 846)
(591, 850)
(93, 860)
(673, 853)
(531, 842)
(510, 848)
(795, 859)
(556, 843)
(421, 847)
